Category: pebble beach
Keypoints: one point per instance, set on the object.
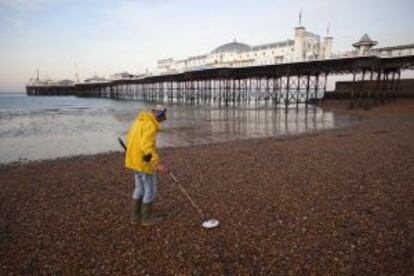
(334, 202)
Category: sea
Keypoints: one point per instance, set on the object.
(48, 127)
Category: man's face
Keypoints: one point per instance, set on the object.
(160, 120)
(160, 116)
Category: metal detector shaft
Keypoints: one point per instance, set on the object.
(186, 194)
(174, 180)
(184, 191)
(122, 143)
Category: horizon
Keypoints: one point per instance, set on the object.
(62, 37)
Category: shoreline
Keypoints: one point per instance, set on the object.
(161, 150)
(336, 201)
(281, 137)
(94, 128)
(170, 148)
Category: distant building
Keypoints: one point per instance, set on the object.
(165, 64)
(96, 79)
(122, 76)
(392, 51)
(364, 47)
(305, 46)
(66, 82)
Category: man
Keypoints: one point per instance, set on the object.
(142, 157)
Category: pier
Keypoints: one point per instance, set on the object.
(288, 83)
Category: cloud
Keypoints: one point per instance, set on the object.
(23, 5)
(17, 5)
(11, 20)
(13, 13)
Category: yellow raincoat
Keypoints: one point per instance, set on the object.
(141, 140)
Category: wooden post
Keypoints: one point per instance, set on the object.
(351, 104)
(307, 90)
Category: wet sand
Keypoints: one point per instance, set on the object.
(329, 203)
(72, 126)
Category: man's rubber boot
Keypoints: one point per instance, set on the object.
(136, 211)
(147, 219)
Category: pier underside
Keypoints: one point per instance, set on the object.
(375, 80)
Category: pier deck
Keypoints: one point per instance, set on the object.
(286, 83)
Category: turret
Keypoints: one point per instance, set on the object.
(364, 45)
(327, 45)
(299, 46)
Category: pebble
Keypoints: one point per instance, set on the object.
(320, 186)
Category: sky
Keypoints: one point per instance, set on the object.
(88, 37)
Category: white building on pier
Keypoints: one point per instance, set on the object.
(364, 47)
(304, 46)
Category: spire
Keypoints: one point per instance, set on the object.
(327, 30)
(300, 17)
(76, 72)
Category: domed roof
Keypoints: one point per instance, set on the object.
(232, 47)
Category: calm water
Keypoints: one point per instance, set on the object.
(33, 128)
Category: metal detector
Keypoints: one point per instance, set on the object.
(206, 222)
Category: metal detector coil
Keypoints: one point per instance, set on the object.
(207, 223)
(211, 223)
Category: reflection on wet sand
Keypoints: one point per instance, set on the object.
(189, 126)
(64, 132)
